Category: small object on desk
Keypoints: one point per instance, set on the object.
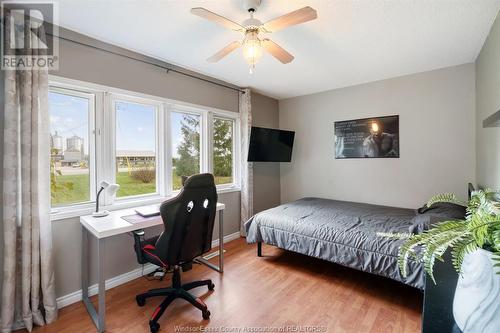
(138, 219)
(148, 211)
(111, 190)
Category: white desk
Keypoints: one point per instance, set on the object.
(112, 225)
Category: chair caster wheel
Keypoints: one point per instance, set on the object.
(140, 301)
(206, 315)
(154, 327)
(211, 286)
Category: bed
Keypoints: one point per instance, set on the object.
(346, 233)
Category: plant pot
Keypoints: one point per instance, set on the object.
(476, 305)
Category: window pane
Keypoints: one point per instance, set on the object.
(223, 151)
(185, 146)
(135, 148)
(69, 149)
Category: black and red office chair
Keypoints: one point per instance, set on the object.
(188, 221)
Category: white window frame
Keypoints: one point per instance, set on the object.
(92, 98)
(203, 138)
(159, 143)
(103, 144)
(236, 147)
(207, 116)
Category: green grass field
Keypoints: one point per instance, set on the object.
(128, 186)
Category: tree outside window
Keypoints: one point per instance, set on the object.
(223, 150)
(186, 147)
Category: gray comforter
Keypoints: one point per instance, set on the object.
(341, 232)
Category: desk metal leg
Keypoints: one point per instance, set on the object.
(204, 261)
(221, 241)
(98, 317)
(101, 321)
(85, 264)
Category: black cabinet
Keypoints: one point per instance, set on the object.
(438, 299)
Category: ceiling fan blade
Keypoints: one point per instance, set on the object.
(296, 17)
(277, 51)
(224, 52)
(206, 14)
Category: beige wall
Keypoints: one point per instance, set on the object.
(266, 192)
(87, 64)
(487, 103)
(437, 144)
(91, 65)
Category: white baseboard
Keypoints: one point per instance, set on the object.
(228, 238)
(124, 278)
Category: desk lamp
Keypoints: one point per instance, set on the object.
(111, 189)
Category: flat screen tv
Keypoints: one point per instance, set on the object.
(270, 145)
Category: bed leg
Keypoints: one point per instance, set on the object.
(259, 249)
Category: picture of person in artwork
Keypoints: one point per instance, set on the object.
(379, 143)
(339, 147)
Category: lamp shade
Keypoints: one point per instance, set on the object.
(252, 48)
(111, 190)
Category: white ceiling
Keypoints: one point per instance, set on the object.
(351, 42)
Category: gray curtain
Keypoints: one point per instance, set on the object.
(28, 293)
(246, 167)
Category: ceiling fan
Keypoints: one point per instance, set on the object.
(253, 43)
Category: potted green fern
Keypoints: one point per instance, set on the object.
(475, 248)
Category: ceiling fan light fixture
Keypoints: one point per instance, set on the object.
(252, 49)
(252, 45)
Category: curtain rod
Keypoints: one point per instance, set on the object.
(168, 69)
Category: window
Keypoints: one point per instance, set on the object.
(145, 144)
(185, 129)
(71, 164)
(136, 166)
(223, 147)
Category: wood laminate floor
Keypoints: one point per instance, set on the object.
(282, 289)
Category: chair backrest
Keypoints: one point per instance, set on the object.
(188, 221)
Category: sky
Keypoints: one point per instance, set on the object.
(135, 123)
(69, 116)
(135, 126)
